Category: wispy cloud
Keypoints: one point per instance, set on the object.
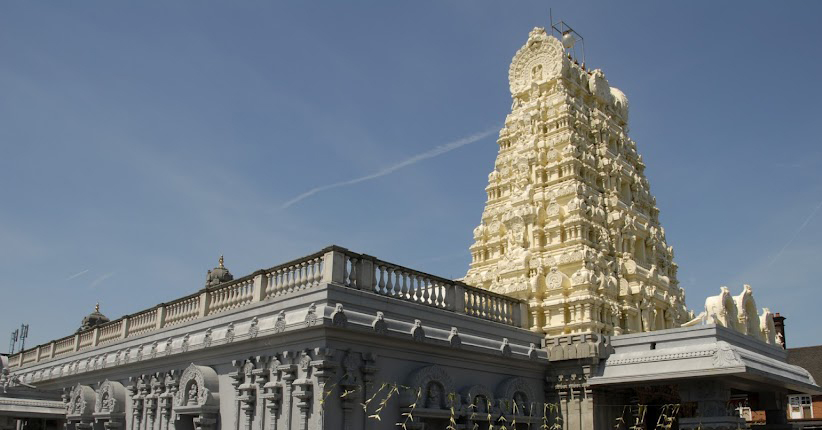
(442, 149)
(100, 279)
(77, 275)
(795, 235)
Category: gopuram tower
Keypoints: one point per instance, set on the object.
(570, 223)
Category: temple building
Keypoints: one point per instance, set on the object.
(569, 317)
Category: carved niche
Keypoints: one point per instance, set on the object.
(436, 386)
(480, 397)
(80, 406)
(517, 391)
(198, 392)
(110, 402)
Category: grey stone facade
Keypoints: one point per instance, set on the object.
(305, 344)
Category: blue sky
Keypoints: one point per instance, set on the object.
(140, 141)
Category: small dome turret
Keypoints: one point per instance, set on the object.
(93, 319)
(218, 275)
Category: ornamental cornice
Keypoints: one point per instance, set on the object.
(660, 357)
(267, 327)
(52, 404)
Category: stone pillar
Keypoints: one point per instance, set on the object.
(711, 400)
(775, 406)
(323, 368)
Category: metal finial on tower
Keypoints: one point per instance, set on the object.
(97, 307)
(221, 261)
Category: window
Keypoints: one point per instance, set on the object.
(800, 407)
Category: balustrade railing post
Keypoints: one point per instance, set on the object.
(521, 314)
(95, 336)
(39, 352)
(457, 300)
(51, 350)
(161, 316)
(204, 302)
(365, 273)
(76, 342)
(334, 267)
(124, 331)
(260, 285)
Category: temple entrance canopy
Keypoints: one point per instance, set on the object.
(708, 364)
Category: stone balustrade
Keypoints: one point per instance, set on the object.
(332, 265)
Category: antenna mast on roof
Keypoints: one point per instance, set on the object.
(13, 340)
(569, 38)
(24, 333)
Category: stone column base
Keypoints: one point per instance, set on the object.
(712, 423)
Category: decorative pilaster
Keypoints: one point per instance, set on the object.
(323, 368)
(350, 382)
(288, 374)
(245, 390)
(272, 392)
(171, 382)
(138, 391)
(303, 392)
(155, 388)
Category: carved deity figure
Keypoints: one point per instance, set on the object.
(78, 405)
(192, 394)
(105, 402)
(434, 399)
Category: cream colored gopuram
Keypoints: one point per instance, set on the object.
(570, 223)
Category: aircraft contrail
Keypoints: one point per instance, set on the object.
(77, 275)
(442, 149)
(795, 235)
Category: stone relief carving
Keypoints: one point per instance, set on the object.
(541, 58)
(417, 332)
(726, 356)
(254, 328)
(454, 338)
(311, 315)
(338, 318)
(279, 325)
(505, 348)
(379, 325)
(229, 333)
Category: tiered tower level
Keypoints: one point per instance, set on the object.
(570, 223)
